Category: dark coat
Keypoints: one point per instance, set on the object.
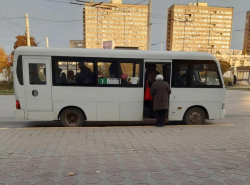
(150, 76)
(160, 92)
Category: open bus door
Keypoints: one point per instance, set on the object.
(162, 67)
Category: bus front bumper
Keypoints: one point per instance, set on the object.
(223, 113)
(19, 114)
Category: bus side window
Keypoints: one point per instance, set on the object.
(37, 74)
(73, 71)
(205, 73)
(180, 75)
(115, 72)
(130, 73)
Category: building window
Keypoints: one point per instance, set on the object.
(243, 75)
(233, 63)
(242, 62)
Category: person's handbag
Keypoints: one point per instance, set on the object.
(148, 96)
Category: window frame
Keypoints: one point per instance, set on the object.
(95, 61)
(190, 64)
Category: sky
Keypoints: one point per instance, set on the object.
(60, 33)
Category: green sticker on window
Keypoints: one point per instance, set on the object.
(102, 80)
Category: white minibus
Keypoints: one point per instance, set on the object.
(79, 85)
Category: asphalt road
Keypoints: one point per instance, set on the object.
(237, 106)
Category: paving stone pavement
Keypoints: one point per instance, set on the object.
(174, 155)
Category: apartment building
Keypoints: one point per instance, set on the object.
(124, 24)
(199, 27)
(246, 47)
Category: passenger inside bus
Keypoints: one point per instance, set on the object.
(151, 74)
(71, 78)
(86, 76)
(58, 76)
(178, 78)
(125, 80)
(100, 74)
(115, 70)
(150, 78)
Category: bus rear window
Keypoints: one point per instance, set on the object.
(19, 70)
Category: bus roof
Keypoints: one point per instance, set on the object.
(102, 53)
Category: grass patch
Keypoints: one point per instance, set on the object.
(6, 91)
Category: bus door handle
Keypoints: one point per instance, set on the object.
(35, 93)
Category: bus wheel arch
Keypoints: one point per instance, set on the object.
(77, 114)
(196, 110)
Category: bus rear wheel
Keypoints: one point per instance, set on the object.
(72, 117)
(195, 116)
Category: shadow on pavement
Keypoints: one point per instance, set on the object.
(23, 124)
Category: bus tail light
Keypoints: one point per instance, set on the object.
(18, 105)
(223, 105)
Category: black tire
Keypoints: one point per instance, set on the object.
(195, 116)
(72, 117)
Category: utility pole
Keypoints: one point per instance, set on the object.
(149, 23)
(27, 29)
(47, 42)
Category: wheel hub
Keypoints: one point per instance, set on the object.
(195, 118)
(72, 119)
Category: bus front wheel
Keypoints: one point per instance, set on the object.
(72, 117)
(195, 116)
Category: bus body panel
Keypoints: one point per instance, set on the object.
(131, 111)
(41, 115)
(19, 93)
(223, 113)
(108, 111)
(19, 113)
(97, 94)
(101, 103)
(104, 111)
(209, 98)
